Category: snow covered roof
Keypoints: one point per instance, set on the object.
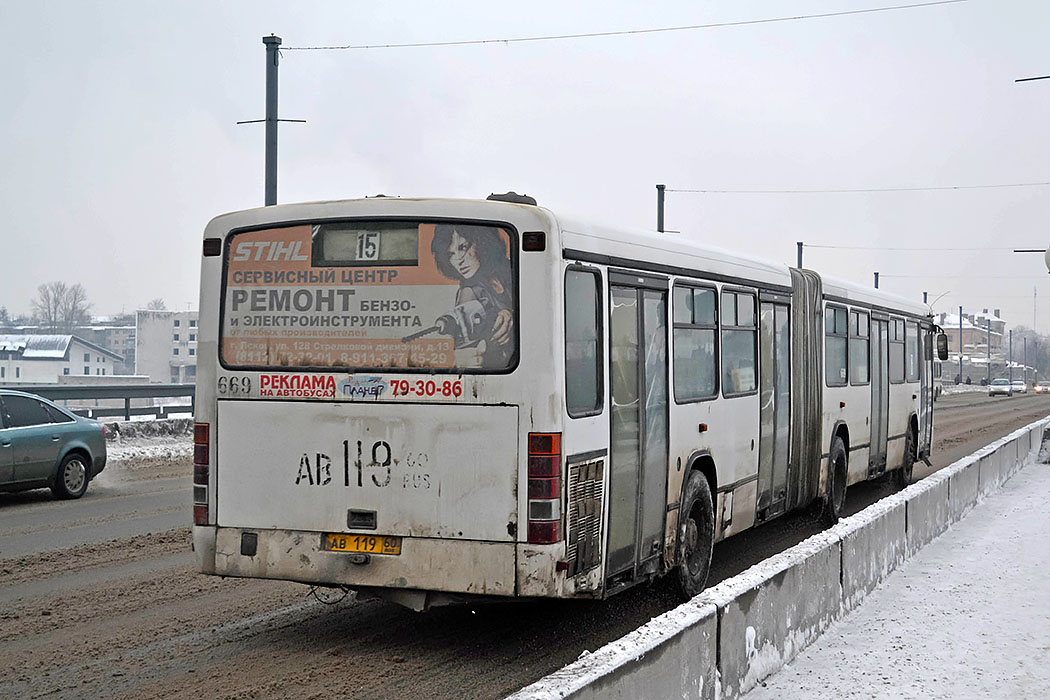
(48, 347)
(37, 346)
(951, 323)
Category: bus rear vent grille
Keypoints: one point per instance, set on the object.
(584, 516)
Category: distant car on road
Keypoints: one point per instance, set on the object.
(1019, 386)
(44, 445)
(1000, 387)
(1042, 388)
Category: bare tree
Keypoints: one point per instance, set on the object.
(48, 304)
(157, 305)
(75, 308)
(61, 308)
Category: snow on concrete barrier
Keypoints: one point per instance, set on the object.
(672, 655)
(732, 636)
(772, 611)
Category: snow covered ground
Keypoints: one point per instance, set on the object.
(965, 617)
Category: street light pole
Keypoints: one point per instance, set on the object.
(1010, 362)
(988, 349)
(960, 346)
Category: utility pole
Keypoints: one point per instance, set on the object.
(1010, 361)
(660, 207)
(960, 345)
(988, 349)
(1024, 371)
(272, 58)
(799, 244)
(876, 280)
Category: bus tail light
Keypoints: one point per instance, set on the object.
(544, 500)
(201, 472)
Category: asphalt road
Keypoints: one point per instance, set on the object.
(128, 617)
(34, 521)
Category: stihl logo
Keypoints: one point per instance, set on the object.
(270, 250)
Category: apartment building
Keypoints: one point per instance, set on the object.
(166, 346)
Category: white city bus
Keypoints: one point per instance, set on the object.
(430, 399)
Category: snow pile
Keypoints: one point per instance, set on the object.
(949, 389)
(171, 427)
(151, 450)
(143, 450)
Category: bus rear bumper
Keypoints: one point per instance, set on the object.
(204, 548)
(452, 566)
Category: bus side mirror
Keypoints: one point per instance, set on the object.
(942, 347)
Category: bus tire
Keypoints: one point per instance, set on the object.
(835, 498)
(903, 476)
(696, 536)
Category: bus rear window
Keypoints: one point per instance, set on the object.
(371, 295)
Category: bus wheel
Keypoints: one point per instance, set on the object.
(902, 477)
(835, 499)
(696, 536)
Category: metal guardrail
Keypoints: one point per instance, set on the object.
(114, 391)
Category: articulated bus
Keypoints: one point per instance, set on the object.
(433, 400)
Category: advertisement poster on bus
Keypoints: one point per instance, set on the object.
(371, 295)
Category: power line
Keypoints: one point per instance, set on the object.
(591, 35)
(870, 189)
(934, 275)
(926, 250)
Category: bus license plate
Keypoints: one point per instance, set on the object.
(369, 544)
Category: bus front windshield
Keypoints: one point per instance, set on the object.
(411, 296)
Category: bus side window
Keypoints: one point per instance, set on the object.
(739, 334)
(583, 362)
(897, 350)
(858, 348)
(835, 350)
(911, 343)
(695, 316)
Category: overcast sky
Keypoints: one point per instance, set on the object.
(119, 140)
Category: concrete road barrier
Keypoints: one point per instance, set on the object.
(991, 469)
(773, 611)
(672, 655)
(733, 635)
(872, 547)
(929, 506)
(964, 487)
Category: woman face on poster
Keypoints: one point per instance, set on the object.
(476, 256)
